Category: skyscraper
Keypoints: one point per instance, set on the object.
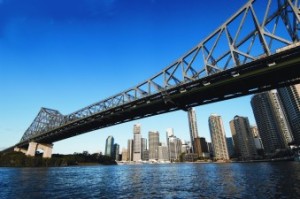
(174, 145)
(163, 153)
(109, 146)
(271, 121)
(257, 140)
(211, 149)
(124, 154)
(137, 145)
(201, 147)
(174, 148)
(230, 147)
(116, 151)
(290, 97)
(254, 131)
(153, 145)
(144, 149)
(242, 137)
(130, 150)
(218, 138)
(185, 148)
(193, 127)
(169, 134)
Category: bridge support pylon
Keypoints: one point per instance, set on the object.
(20, 150)
(34, 146)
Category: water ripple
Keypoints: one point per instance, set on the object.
(253, 180)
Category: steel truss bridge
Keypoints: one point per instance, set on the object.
(253, 51)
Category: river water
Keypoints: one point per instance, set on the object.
(186, 180)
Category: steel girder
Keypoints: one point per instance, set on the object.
(257, 30)
(46, 120)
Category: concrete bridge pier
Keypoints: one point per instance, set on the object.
(34, 146)
(20, 150)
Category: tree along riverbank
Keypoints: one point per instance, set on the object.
(18, 159)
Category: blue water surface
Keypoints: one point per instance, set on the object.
(186, 180)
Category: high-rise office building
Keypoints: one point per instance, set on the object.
(242, 138)
(116, 151)
(144, 148)
(254, 131)
(258, 144)
(174, 145)
(109, 146)
(204, 146)
(174, 148)
(272, 124)
(211, 149)
(257, 140)
(290, 97)
(185, 148)
(193, 127)
(201, 147)
(124, 154)
(169, 134)
(137, 145)
(218, 138)
(163, 153)
(130, 150)
(197, 147)
(230, 147)
(153, 145)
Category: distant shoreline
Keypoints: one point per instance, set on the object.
(267, 160)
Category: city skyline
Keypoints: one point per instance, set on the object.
(45, 67)
(89, 91)
(247, 142)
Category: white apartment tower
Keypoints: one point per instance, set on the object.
(218, 138)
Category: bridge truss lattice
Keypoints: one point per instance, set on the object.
(259, 29)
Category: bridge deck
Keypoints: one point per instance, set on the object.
(260, 75)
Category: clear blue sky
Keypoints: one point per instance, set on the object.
(65, 55)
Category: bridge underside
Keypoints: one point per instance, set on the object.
(278, 70)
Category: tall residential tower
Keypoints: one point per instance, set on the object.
(290, 97)
(242, 138)
(193, 127)
(218, 138)
(271, 121)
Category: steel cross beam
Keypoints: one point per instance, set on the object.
(244, 38)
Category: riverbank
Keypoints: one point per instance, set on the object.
(283, 159)
(267, 160)
(18, 159)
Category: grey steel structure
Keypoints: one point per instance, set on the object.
(244, 55)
